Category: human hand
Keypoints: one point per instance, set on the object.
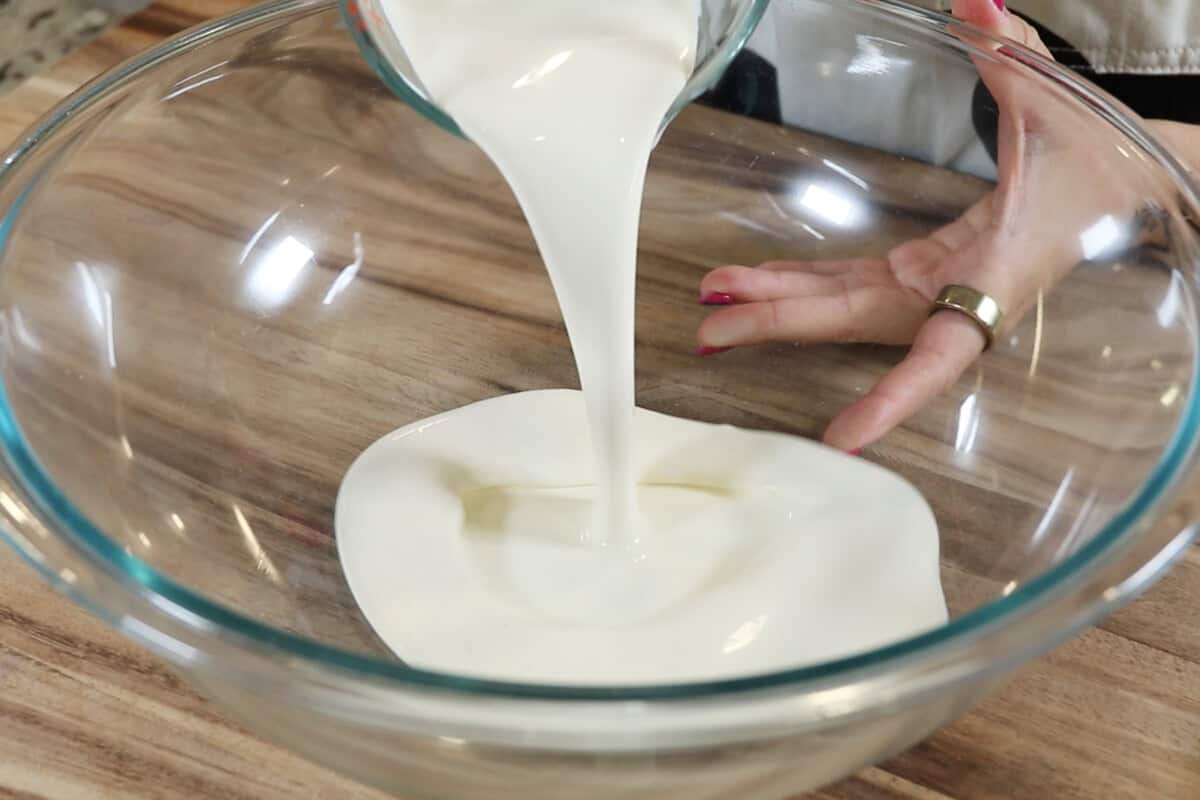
(1010, 245)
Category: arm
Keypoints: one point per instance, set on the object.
(1183, 140)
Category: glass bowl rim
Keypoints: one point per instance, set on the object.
(205, 617)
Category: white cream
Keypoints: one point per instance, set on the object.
(761, 551)
(470, 540)
(567, 98)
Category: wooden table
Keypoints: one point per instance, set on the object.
(1113, 714)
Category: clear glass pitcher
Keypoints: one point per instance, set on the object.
(725, 26)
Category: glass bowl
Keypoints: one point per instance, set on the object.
(229, 265)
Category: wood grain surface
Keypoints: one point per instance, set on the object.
(1113, 714)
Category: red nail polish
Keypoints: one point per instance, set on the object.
(858, 451)
(711, 351)
(717, 299)
(1000, 5)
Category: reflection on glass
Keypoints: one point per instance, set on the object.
(1170, 395)
(275, 278)
(1168, 309)
(258, 234)
(99, 304)
(845, 173)
(109, 334)
(1102, 238)
(968, 424)
(348, 273)
(1052, 511)
(1038, 330)
(24, 335)
(261, 559)
(14, 509)
(830, 205)
(870, 59)
(1071, 541)
(191, 80)
(180, 651)
(195, 81)
(92, 296)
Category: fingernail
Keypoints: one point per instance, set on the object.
(858, 451)
(716, 299)
(1000, 5)
(711, 351)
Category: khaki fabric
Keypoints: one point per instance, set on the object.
(1147, 37)
(1150, 37)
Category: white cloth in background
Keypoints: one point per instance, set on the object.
(842, 79)
(839, 77)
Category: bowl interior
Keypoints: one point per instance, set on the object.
(228, 275)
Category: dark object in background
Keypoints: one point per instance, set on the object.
(749, 88)
(1173, 97)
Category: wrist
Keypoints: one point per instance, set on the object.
(1181, 139)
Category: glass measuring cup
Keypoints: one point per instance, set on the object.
(725, 26)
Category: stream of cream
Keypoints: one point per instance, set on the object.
(492, 540)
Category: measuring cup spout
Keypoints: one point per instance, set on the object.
(725, 27)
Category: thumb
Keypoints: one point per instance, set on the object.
(994, 17)
(987, 14)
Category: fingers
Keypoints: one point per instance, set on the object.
(1017, 100)
(989, 16)
(945, 346)
(771, 282)
(953, 249)
(882, 314)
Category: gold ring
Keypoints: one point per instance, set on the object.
(975, 305)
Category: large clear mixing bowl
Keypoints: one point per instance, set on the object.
(231, 264)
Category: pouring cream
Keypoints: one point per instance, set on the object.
(492, 541)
